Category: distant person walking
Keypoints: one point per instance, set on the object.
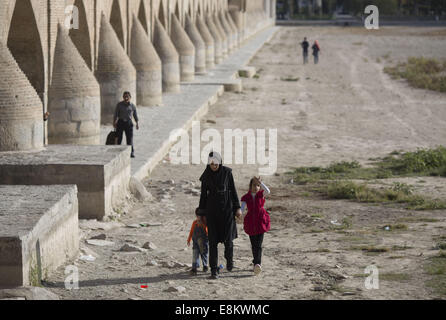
(316, 48)
(122, 120)
(304, 44)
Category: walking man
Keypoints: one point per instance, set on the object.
(122, 121)
(305, 46)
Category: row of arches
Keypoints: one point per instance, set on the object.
(123, 55)
(25, 43)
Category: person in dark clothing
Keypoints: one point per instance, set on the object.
(219, 205)
(122, 120)
(305, 46)
(316, 50)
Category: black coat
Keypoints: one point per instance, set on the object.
(219, 202)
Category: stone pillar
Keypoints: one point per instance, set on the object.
(169, 59)
(237, 17)
(234, 29)
(115, 72)
(200, 47)
(273, 10)
(208, 41)
(185, 49)
(218, 42)
(221, 32)
(74, 96)
(227, 30)
(21, 110)
(148, 67)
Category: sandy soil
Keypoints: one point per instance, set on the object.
(344, 108)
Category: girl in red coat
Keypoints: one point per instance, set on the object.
(257, 220)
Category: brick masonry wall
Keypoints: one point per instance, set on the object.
(49, 13)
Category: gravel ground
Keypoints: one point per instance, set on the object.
(344, 108)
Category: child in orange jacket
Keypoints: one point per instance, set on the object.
(199, 236)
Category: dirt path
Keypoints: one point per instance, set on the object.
(344, 108)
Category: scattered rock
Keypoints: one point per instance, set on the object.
(168, 264)
(152, 263)
(138, 189)
(100, 243)
(101, 236)
(154, 224)
(131, 241)
(88, 252)
(28, 293)
(318, 288)
(176, 289)
(309, 274)
(130, 248)
(87, 258)
(219, 292)
(178, 264)
(149, 245)
(170, 181)
(99, 225)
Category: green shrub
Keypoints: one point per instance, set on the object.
(424, 73)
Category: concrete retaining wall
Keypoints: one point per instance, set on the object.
(96, 170)
(38, 232)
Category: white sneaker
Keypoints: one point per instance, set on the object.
(257, 269)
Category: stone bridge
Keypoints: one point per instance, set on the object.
(74, 58)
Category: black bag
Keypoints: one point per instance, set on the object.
(112, 138)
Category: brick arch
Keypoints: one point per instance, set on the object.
(207, 7)
(142, 17)
(81, 36)
(25, 45)
(190, 11)
(116, 21)
(177, 11)
(197, 9)
(162, 15)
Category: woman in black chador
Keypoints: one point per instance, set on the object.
(218, 207)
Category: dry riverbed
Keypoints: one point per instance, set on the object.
(345, 108)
